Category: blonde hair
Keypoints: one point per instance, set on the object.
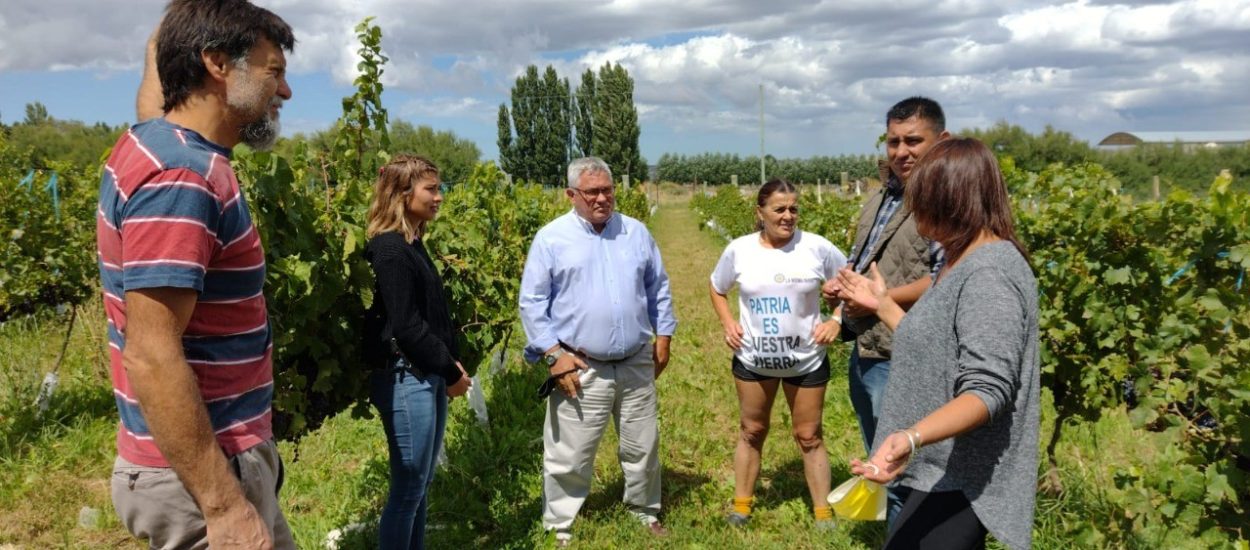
(396, 180)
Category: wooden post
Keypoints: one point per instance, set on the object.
(858, 191)
(1155, 184)
(734, 179)
(820, 195)
(846, 178)
(625, 180)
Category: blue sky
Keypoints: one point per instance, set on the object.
(829, 68)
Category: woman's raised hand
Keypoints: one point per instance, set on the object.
(863, 292)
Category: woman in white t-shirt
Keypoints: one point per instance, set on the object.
(778, 339)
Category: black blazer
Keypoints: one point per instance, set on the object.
(409, 305)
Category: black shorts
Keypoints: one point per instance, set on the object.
(816, 378)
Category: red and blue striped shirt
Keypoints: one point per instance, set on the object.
(171, 214)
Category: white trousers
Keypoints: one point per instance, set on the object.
(624, 391)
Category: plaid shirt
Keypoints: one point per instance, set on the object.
(937, 259)
(889, 205)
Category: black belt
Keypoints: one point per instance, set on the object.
(583, 355)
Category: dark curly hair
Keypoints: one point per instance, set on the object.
(191, 27)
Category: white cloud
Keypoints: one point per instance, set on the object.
(830, 68)
(1073, 25)
(446, 107)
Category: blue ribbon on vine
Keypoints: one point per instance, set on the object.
(56, 196)
(1241, 277)
(1180, 272)
(30, 176)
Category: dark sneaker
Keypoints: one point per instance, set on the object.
(737, 520)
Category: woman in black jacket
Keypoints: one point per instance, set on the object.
(410, 334)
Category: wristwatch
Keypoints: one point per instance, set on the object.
(551, 358)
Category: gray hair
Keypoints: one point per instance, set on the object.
(584, 165)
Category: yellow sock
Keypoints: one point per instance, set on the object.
(822, 512)
(742, 505)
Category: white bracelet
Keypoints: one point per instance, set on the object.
(911, 441)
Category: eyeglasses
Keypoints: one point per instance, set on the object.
(592, 194)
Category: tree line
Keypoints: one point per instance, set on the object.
(455, 156)
(40, 141)
(720, 168)
(550, 123)
(1177, 166)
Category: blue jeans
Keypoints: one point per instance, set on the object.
(867, 379)
(414, 415)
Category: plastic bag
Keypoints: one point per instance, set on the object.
(860, 499)
(477, 400)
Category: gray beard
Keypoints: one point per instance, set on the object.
(261, 134)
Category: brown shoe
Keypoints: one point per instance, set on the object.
(657, 530)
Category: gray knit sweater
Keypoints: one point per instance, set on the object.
(974, 332)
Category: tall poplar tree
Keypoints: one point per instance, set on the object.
(552, 128)
(615, 123)
(507, 161)
(539, 138)
(584, 121)
(524, 124)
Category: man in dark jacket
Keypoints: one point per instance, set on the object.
(886, 234)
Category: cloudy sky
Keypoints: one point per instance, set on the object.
(829, 69)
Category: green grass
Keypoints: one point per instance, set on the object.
(488, 494)
(57, 462)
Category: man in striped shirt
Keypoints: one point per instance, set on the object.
(182, 271)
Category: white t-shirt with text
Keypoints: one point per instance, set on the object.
(778, 299)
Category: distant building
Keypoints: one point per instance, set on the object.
(1189, 140)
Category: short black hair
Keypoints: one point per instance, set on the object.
(918, 106)
(191, 27)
